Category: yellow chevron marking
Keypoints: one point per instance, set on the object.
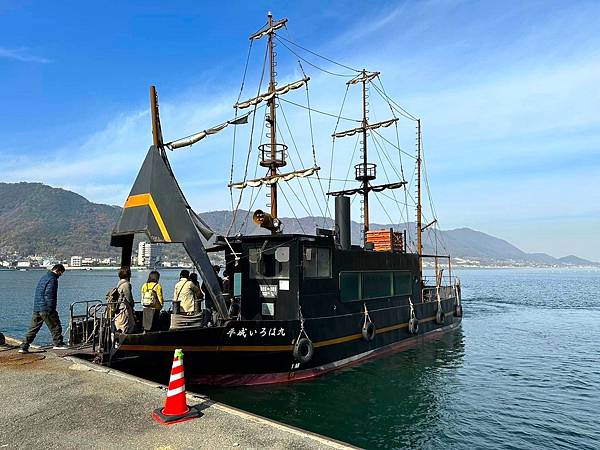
(147, 200)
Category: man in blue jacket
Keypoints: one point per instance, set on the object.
(44, 310)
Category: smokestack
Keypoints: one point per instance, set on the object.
(342, 220)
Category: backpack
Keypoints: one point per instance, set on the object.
(150, 297)
(112, 299)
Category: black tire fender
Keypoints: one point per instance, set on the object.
(303, 350)
(440, 316)
(458, 310)
(368, 331)
(413, 325)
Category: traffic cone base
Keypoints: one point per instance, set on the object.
(176, 408)
(160, 417)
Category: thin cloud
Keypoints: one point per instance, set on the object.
(22, 54)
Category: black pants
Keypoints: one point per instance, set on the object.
(37, 320)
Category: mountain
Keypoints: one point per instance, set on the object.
(39, 219)
(573, 260)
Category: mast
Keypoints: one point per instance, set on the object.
(419, 218)
(156, 131)
(272, 153)
(272, 118)
(365, 181)
(365, 171)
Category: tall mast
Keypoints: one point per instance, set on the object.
(272, 119)
(156, 131)
(365, 171)
(272, 154)
(365, 181)
(419, 218)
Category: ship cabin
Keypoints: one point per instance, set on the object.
(287, 276)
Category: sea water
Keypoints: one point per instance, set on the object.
(523, 371)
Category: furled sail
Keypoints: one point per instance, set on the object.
(190, 140)
(361, 190)
(269, 95)
(275, 178)
(372, 126)
(364, 76)
(276, 26)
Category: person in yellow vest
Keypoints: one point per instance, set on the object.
(152, 301)
(186, 292)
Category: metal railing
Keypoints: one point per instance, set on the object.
(90, 323)
(81, 324)
(430, 294)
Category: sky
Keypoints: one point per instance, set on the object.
(508, 94)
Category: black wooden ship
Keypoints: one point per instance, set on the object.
(308, 304)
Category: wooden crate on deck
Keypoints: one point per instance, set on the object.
(386, 240)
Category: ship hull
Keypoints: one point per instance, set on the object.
(262, 352)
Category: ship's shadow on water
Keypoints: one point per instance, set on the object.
(347, 404)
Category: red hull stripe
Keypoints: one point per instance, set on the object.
(306, 374)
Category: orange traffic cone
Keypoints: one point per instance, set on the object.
(176, 408)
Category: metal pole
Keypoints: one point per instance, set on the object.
(419, 219)
(154, 115)
(273, 122)
(365, 180)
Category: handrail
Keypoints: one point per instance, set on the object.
(430, 294)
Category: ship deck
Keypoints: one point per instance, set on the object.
(56, 401)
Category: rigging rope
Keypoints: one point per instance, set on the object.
(398, 147)
(394, 145)
(337, 123)
(292, 209)
(249, 145)
(320, 56)
(280, 38)
(433, 212)
(314, 152)
(350, 165)
(318, 111)
(401, 111)
(301, 162)
(377, 148)
(235, 128)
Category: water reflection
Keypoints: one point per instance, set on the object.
(393, 402)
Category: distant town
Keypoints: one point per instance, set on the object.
(151, 256)
(148, 255)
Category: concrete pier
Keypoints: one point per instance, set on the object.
(51, 401)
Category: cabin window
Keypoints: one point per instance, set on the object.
(374, 284)
(349, 286)
(402, 283)
(269, 263)
(317, 262)
(237, 284)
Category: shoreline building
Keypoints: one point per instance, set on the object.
(75, 261)
(148, 254)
